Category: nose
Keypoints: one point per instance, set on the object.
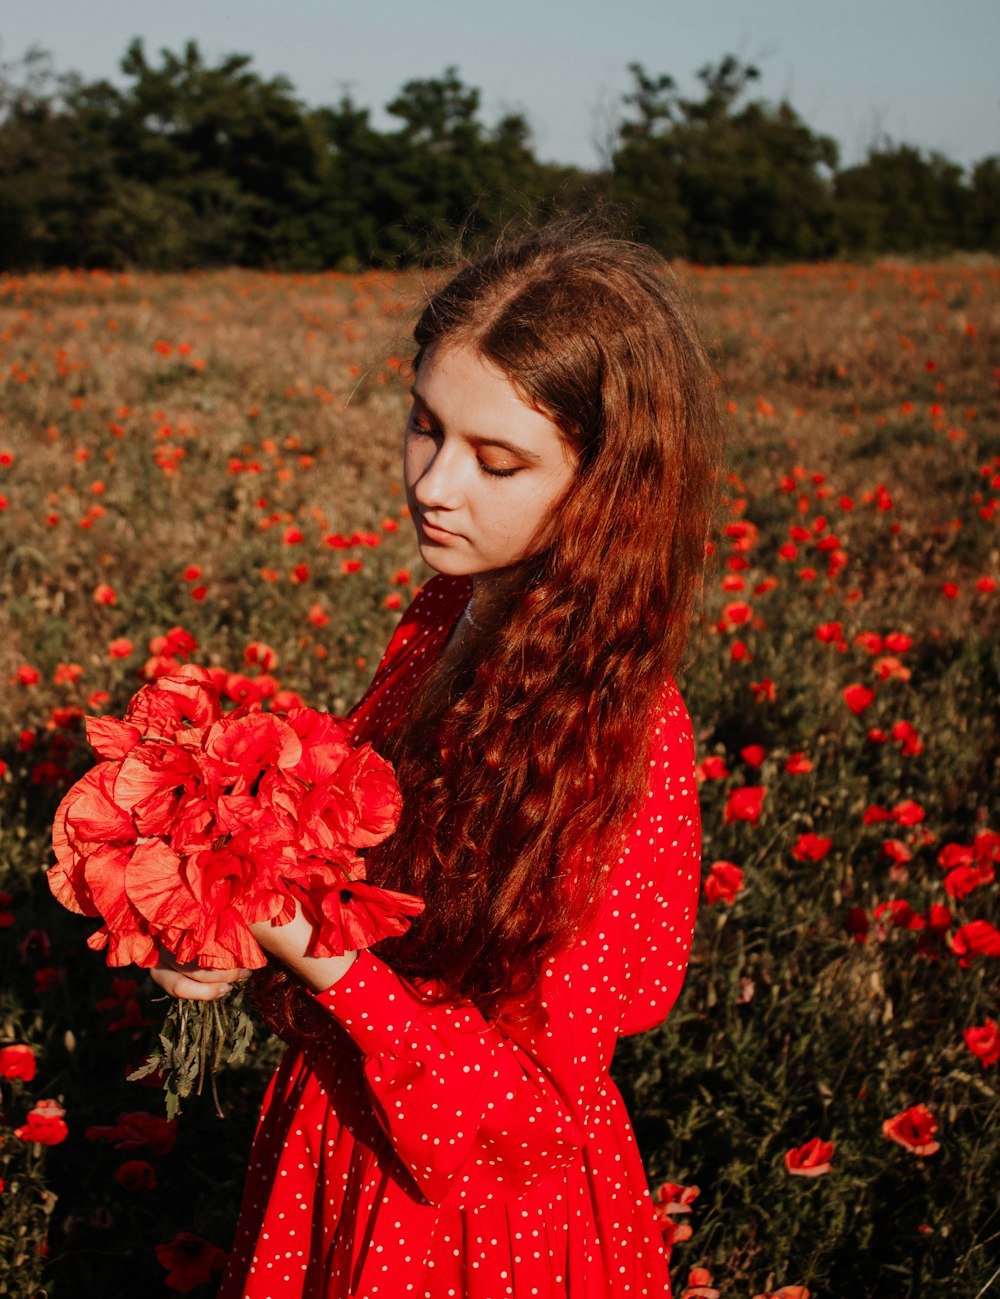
(435, 480)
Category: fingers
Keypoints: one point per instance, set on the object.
(196, 985)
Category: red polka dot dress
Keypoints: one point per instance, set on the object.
(420, 1151)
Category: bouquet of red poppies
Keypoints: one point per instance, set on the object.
(198, 824)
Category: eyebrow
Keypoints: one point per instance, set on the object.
(489, 442)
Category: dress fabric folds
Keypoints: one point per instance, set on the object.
(417, 1150)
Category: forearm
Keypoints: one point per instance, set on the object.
(289, 945)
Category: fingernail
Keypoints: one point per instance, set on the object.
(224, 988)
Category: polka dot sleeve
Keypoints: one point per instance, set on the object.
(481, 1111)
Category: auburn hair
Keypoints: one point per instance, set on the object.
(522, 760)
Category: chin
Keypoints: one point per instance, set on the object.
(444, 561)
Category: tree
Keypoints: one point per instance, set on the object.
(899, 200)
(713, 181)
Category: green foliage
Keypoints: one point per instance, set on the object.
(198, 165)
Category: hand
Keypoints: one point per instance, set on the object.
(192, 984)
(289, 943)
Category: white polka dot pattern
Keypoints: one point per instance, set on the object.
(420, 1151)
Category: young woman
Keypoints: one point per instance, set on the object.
(443, 1123)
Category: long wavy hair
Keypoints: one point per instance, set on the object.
(521, 761)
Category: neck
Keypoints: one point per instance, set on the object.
(485, 589)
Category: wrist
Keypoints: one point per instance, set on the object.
(289, 944)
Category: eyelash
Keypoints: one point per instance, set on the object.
(490, 473)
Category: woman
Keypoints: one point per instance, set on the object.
(444, 1123)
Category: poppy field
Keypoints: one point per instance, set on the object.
(204, 468)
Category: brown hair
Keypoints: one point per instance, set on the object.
(519, 768)
(519, 764)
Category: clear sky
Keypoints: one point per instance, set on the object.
(919, 71)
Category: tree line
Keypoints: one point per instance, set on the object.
(190, 164)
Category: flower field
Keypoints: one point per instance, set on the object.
(205, 468)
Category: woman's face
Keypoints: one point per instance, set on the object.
(483, 470)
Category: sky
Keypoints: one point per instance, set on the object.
(923, 72)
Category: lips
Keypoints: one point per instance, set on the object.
(434, 530)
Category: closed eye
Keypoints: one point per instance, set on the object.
(416, 429)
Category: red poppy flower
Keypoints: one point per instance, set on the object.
(900, 913)
(257, 654)
(908, 812)
(984, 1042)
(753, 754)
(914, 1130)
(136, 1175)
(763, 690)
(963, 880)
(198, 825)
(17, 1061)
(906, 736)
(672, 1197)
(189, 1261)
(810, 1160)
(712, 768)
(44, 1124)
(798, 764)
(896, 850)
(744, 804)
(858, 697)
(135, 1130)
(978, 938)
(699, 1285)
(723, 882)
(870, 641)
(736, 613)
(811, 847)
(105, 594)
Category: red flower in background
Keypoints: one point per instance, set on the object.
(17, 1061)
(810, 847)
(189, 1261)
(44, 1124)
(670, 1199)
(712, 768)
(798, 764)
(908, 812)
(914, 1130)
(984, 1042)
(699, 1285)
(978, 938)
(136, 1175)
(753, 754)
(135, 1130)
(744, 804)
(858, 697)
(723, 882)
(810, 1160)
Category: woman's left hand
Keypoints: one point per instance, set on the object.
(192, 984)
